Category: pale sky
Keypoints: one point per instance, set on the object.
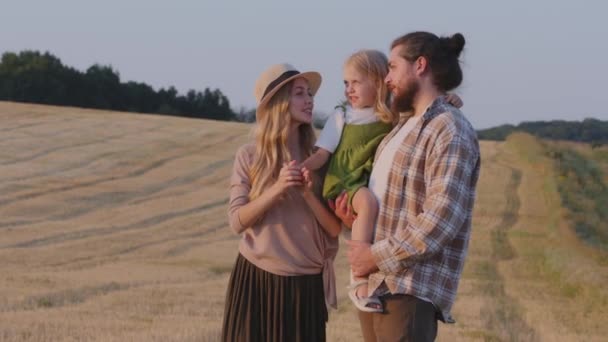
(523, 60)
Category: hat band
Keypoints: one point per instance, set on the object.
(279, 80)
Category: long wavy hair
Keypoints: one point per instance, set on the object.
(271, 133)
(373, 64)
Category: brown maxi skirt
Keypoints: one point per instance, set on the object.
(261, 306)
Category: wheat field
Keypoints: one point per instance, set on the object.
(113, 227)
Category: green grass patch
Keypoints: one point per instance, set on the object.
(70, 296)
(484, 269)
(501, 246)
(220, 269)
(551, 265)
(487, 336)
(580, 183)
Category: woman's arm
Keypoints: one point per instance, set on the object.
(245, 213)
(328, 221)
(251, 212)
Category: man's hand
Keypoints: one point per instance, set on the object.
(342, 210)
(361, 259)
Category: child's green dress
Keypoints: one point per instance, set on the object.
(351, 164)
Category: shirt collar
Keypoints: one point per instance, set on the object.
(436, 107)
(361, 111)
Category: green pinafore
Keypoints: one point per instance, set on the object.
(351, 163)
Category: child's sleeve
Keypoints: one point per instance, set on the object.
(330, 135)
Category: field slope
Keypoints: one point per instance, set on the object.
(113, 228)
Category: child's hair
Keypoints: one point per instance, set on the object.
(271, 131)
(373, 64)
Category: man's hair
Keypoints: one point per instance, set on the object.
(441, 55)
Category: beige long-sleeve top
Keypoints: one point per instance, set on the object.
(287, 240)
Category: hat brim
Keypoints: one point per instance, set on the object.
(313, 78)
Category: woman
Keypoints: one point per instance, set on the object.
(283, 277)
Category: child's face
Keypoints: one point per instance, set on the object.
(358, 89)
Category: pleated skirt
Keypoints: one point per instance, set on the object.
(261, 306)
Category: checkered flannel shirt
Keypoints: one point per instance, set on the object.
(424, 221)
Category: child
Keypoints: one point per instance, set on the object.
(350, 137)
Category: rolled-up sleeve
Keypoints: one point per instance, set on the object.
(240, 185)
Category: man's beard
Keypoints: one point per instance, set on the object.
(404, 102)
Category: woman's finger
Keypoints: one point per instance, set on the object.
(294, 183)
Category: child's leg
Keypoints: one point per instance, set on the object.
(365, 205)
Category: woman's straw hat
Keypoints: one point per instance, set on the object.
(271, 80)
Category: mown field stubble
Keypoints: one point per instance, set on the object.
(113, 228)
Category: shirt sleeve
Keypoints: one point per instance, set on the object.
(240, 186)
(449, 181)
(331, 132)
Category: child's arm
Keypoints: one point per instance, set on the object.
(317, 159)
(454, 100)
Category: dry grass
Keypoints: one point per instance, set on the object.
(113, 228)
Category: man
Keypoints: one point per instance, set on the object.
(424, 177)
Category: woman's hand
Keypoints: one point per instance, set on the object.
(454, 100)
(342, 210)
(289, 176)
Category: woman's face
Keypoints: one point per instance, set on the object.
(301, 102)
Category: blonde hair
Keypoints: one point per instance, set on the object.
(373, 64)
(271, 133)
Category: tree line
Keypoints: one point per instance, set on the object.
(31, 76)
(589, 130)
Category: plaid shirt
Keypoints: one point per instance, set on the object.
(424, 220)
